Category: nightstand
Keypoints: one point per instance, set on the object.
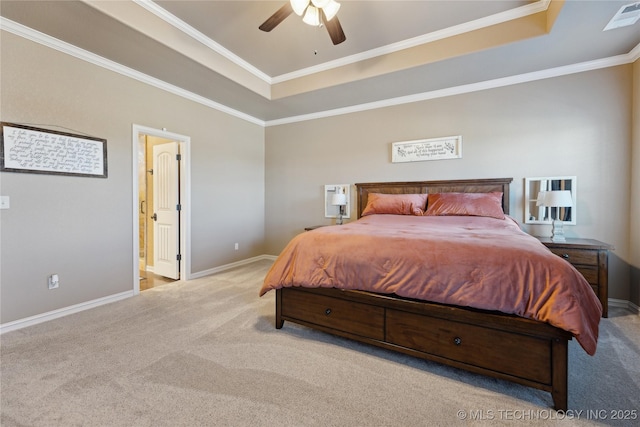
(590, 257)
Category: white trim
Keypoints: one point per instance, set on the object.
(613, 302)
(455, 30)
(51, 315)
(55, 44)
(231, 265)
(61, 312)
(466, 27)
(69, 49)
(201, 38)
(458, 90)
(185, 199)
(635, 53)
(185, 217)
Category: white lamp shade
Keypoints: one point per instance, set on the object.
(320, 3)
(312, 16)
(558, 199)
(331, 9)
(339, 199)
(299, 6)
(540, 199)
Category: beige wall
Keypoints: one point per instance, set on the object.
(634, 231)
(82, 228)
(573, 125)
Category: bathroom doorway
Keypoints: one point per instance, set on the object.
(162, 209)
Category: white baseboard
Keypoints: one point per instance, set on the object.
(613, 302)
(45, 317)
(65, 311)
(230, 266)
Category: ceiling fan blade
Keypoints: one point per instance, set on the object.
(277, 17)
(334, 29)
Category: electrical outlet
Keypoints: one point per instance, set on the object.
(54, 281)
(236, 247)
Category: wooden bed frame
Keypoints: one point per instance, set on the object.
(498, 345)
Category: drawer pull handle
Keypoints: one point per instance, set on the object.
(565, 256)
(327, 311)
(457, 340)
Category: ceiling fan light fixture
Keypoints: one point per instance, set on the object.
(299, 6)
(312, 17)
(331, 9)
(320, 3)
(316, 13)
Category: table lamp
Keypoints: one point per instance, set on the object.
(339, 199)
(558, 199)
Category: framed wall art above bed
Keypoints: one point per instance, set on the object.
(449, 147)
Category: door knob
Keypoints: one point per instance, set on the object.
(154, 217)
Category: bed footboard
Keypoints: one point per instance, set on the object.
(508, 347)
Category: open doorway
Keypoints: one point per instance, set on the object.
(161, 201)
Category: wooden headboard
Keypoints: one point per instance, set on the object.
(449, 186)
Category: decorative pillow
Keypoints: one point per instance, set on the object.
(472, 204)
(396, 204)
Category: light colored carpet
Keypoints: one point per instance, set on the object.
(206, 353)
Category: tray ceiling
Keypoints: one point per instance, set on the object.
(394, 49)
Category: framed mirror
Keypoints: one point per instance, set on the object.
(333, 211)
(535, 209)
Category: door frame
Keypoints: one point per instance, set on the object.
(184, 144)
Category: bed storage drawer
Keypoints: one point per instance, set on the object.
(359, 319)
(502, 346)
(512, 353)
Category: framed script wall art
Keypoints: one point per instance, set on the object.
(449, 147)
(33, 150)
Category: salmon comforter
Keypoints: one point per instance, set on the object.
(478, 262)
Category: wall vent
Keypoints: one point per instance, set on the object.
(627, 15)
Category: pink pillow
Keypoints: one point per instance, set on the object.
(396, 204)
(472, 204)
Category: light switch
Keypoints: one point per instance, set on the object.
(4, 202)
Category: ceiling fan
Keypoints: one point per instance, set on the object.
(313, 12)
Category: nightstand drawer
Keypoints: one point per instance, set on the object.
(590, 258)
(577, 256)
(589, 273)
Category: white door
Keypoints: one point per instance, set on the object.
(166, 209)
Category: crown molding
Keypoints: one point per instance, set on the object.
(53, 43)
(468, 88)
(635, 53)
(467, 27)
(76, 52)
(498, 18)
(179, 24)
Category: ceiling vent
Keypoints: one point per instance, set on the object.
(627, 15)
